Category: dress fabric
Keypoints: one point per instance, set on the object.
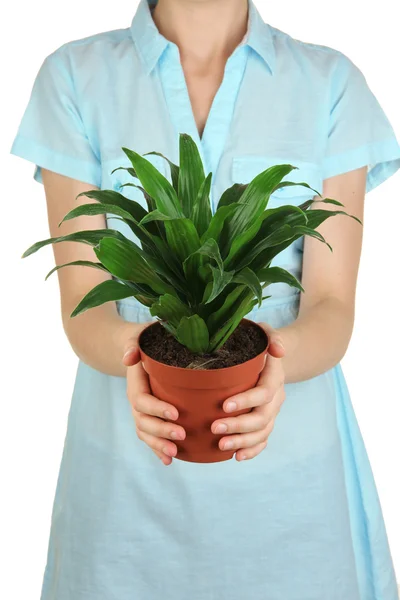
(301, 521)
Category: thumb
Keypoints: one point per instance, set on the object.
(131, 354)
(276, 347)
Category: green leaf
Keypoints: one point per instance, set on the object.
(155, 215)
(270, 221)
(168, 327)
(331, 201)
(201, 212)
(170, 309)
(305, 205)
(210, 249)
(145, 300)
(277, 237)
(150, 243)
(301, 229)
(83, 263)
(242, 308)
(217, 221)
(262, 253)
(291, 183)
(221, 279)
(174, 169)
(106, 291)
(228, 307)
(317, 216)
(125, 260)
(182, 237)
(157, 250)
(242, 241)
(156, 228)
(97, 209)
(90, 236)
(195, 266)
(131, 212)
(232, 195)
(192, 332)
(151, 205)
(278, 275)
(249, 278)
(191, 173)
(286, 214)
(150, 234)
(253, 201)
(130, 170)
(309, 203)
(110, 197)
(155, 184)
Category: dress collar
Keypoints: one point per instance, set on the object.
(151, 43)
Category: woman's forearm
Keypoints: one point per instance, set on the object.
(317, 340)
(98, 337)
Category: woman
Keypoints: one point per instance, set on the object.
(300, 518)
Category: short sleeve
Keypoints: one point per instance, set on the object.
(360, 133)
(51, 133)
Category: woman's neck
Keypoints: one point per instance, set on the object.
(204, 30)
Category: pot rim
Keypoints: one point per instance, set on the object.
(220, 370)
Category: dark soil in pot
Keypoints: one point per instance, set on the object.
(246, 342)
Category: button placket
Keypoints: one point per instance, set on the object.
(212, 142)
(221, 113)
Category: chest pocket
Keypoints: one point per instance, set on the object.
(246, 167)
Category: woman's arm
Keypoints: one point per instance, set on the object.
(317, 340)
(99, 335)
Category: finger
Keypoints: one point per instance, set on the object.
(276, 349)
(150, 405)
(252, 398)
(276, 346)
(167, 460)
(159, 427)
(158, 444)
(272, 377)
(248, 453)
(131, 356)
(244, 440)
(131, 350)
(252, 421)
(138, 380)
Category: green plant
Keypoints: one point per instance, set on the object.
(199, 273)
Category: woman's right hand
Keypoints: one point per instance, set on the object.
(151, 414)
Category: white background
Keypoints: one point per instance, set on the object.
(38, 366)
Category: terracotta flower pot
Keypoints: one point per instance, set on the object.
(198, 394)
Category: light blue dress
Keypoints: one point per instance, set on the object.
(301, 521)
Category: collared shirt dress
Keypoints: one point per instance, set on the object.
(302, 520)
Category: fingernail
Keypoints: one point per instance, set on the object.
(228, 445)
(168, 451)
(231, 406)
(221, 428)
(128, 352)
(279, 343)
(168, 415)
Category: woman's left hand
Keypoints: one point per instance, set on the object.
(248, 433)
